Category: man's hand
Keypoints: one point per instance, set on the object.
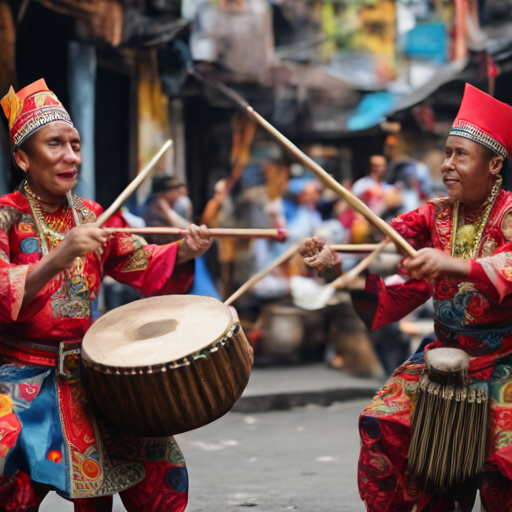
(432, 263)
(80, 241)
(197, 241)
(311, 246)
(318, 254)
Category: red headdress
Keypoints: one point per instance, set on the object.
(31, 109)
(484, 120)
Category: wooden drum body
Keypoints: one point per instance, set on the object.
(166, 365)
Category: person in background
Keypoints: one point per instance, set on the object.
(183, 205)
(157, 212)
(409, 175)
(377, 194)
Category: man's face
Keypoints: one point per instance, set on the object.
(466, 171)
(51, 160)
(378, 166)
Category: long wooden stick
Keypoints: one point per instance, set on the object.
(344, 280)
(276, 234)
(262, 273)
(361, 247)
(322, 175)
(331, 183)
(132, 187)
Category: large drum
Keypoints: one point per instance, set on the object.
(166, 365)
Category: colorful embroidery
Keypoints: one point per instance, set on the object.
(26, 223)
(13, 285)
(86, 215)
(29, 245)
(90, 470)
(139, 260)
(488, 247)
(8, 216)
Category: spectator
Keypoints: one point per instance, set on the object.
(409, 175)
(158, 210)
(378, 195)
(381, 197)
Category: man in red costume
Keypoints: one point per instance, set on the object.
(464, 261)
(51, 265)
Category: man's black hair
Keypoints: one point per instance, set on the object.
(506, 168)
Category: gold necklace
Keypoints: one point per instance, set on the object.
(34, 196)
(46, 235)
(466, 239)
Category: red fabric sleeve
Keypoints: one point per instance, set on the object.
(13, 276)
(416, 226)
(149, 269)
(493, 277)
(395, 302)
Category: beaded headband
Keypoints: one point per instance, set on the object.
(468, 131)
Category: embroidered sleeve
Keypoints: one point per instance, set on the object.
(395, 302)
(149, 269)
(493, 275)
(12, 277)
(415, 226)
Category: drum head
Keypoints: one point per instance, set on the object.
(155, 331)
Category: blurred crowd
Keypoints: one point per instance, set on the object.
(291, 316)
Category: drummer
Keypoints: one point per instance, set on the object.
(464, 250)
(52, 262)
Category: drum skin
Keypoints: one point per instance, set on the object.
(166, 400)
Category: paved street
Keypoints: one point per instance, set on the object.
(303, 459)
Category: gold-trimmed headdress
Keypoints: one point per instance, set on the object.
(30, 109)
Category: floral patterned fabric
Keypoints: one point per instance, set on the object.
(49, 437)
(472, 314)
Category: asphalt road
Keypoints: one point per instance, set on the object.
(303, 460)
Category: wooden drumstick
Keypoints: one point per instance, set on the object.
(322, 175)
(132, 187)
(279, 235)
(344, 280)
(331, 183)
(361, 248)
(262, 273)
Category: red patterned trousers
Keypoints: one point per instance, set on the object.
(156, 493)
(384, 427)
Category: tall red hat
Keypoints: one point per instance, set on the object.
(484, 120)
(30, 109)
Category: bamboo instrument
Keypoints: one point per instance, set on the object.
(262, 273)
(132, 187)
(355, 248)
(275, 234)
(322, 175)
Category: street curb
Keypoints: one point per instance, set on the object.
(286, 401)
